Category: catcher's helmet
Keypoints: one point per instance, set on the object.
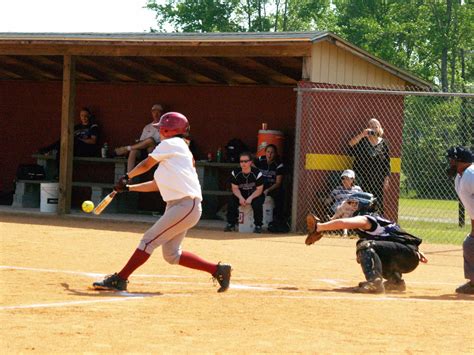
(460, 154)
(360, 203)
(172, 124)
(366, 203)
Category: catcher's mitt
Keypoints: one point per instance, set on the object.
(311, 224)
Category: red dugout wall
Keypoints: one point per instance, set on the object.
(30, 115)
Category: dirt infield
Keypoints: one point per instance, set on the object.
(284, 296)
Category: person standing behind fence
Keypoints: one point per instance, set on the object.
(461, 166)
(372, 160)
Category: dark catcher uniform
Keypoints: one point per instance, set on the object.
(387, 251)
(247, 184)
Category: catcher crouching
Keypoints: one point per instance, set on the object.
(384, 250)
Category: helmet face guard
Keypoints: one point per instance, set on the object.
(365, 203)
(358, 204)
(173, 124)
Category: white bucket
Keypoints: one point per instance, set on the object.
(246, 221)
(268, 207)
(246, 224)
(49, 197)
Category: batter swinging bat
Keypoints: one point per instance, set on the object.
(104, 203)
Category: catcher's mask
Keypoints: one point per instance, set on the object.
(358, 204)
(173, 124)
(458, 155)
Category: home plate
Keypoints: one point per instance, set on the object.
(247, 287)
(120, 293)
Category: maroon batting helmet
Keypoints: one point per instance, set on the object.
(172, 124)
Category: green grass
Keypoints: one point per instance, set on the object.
(434, 221)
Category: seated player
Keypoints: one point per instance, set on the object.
(149, 139)
(86, 137)
(247, 189)
(273, 172)
(384, 250)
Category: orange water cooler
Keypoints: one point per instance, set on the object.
(268, 136)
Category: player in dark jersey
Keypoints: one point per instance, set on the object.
(384, 250)
(247, 189)
(273, 171)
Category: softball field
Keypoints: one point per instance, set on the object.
(285, 297)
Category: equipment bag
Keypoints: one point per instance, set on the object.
(233, 149)
(30, 172)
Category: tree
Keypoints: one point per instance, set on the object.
(431, 38)
(243, 16)
(196, 15)
(427, 37)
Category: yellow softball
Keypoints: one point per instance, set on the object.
(87, 206)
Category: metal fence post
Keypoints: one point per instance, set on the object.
(296, 168)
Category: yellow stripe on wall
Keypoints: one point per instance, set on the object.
(340, 162)
(395, 165)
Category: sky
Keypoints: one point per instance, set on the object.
(75, 16)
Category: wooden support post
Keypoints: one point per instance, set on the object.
(67, 134)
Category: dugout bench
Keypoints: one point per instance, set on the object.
(27, 192)
(210, 174)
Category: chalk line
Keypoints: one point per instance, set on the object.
(297, 293)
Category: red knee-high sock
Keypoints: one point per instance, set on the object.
(193, 261)
(138, 258)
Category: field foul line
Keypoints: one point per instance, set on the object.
(137, 296)
(67, 304)
(371, 298)
(335, 282)
(82, 273)
(258, 287)
(127, 297)
(100, 275)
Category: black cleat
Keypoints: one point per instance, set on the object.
(375, 286)
(467, 288)
(257, 229)
(395, 285)
(222, 275)
(229, 227)
(111, 282)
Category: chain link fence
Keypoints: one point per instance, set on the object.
(405, 169)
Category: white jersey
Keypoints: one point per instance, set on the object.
(176, 176)
(464, 185)
(150, 132)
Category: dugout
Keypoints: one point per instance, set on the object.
(226, 83)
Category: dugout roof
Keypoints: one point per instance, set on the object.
(244, 59)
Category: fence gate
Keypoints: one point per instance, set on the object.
(411, 183)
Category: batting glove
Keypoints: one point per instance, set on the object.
(122, 184)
